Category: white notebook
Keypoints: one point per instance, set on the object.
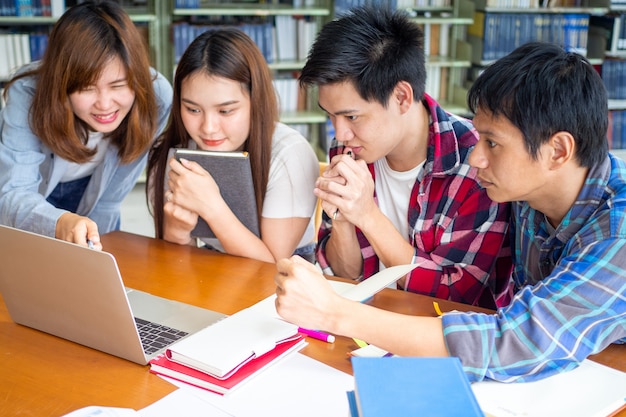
(225, 346)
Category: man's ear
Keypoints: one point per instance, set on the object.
(562, 147)
(403, 95)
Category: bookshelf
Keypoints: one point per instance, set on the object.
(607, 44)
(593, 28)
(16, 52)
(283, 32)
(448, 54)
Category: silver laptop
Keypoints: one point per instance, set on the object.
(78, 294)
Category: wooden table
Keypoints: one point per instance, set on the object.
(42, 375)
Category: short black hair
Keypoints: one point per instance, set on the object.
(372, 47)
(543, 89)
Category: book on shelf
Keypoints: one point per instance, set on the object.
(15, 50)
(161, 365)
(493, 35)
(617, 130)
(292, 97)
(411, 386)
(611, 30)
(283, 38)
(30, 8)
(614, 76)
(343, 6)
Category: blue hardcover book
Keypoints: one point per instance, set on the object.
(409, 386)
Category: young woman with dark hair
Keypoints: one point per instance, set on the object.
(224, 100)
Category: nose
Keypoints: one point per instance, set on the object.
(477, 155)
(209, 123)
(104, 99)
(343, 132)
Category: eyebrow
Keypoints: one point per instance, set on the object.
(226, 103)
(119, 80)
(339, 113)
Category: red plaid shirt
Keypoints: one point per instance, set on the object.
(459, 234)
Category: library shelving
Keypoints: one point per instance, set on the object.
(497, 29)
(594, 28)
(448, 54)
(23, 33)
(283, 32)
(607, 43)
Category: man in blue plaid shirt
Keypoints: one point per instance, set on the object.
(542, 117)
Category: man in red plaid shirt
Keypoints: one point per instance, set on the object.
(399, 188)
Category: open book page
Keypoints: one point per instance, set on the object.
(181, 403)
(591, 390)
(357, 292)
(366, 289)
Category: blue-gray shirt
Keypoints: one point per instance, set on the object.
(29, 171)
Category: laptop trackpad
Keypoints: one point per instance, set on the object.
(170, 313)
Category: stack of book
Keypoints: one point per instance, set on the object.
(222, 356)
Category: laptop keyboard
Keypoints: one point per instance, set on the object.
(155, 336)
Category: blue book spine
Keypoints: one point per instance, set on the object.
(267, 42)
(24, 8)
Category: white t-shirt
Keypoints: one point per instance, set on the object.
(294, 168)
(76, 171)
(393, 191)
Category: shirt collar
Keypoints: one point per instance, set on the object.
(586, 203)
(443, 146)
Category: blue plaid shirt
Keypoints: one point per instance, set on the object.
(570, 299)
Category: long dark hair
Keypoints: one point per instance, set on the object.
(231, 54)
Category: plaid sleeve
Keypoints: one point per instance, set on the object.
(460, 243)
(549, 327)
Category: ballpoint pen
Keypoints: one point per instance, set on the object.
(316, 334)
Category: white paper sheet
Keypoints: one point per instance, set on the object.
(591, 390)
(297, 386)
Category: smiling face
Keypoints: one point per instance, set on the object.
(371, 130)
(104, 105)
(505, 168)
(215, 112)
